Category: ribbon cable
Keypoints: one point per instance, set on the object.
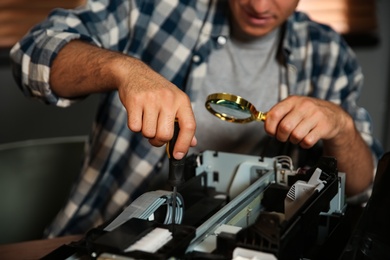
(145, 205)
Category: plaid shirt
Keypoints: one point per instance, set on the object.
(175, 38)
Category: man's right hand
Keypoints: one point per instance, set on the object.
(152, 102)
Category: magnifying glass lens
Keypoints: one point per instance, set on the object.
(230, 109)
(233, 108)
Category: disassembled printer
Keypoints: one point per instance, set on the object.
(231, 206)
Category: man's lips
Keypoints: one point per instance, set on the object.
(257, 19)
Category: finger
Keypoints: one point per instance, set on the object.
(310, 139)
(194, 141)
(165, 129)
(301, 130)
(286, 127)
(275, 115)
(149, 122)
(285, 120)
(186, 135)
(134, 116)
(156, 143)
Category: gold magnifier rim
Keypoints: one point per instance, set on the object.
(243, 103)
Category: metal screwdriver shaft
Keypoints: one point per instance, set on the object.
(176, 171)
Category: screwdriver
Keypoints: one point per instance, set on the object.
(176, 170)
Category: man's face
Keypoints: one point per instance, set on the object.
(259, 17)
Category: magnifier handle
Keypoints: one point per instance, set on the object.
(261, 116)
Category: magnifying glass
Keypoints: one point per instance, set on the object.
(233, 108)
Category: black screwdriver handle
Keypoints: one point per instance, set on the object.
(176, 167)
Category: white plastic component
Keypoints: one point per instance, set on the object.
(240, 253)
(300, 191)
(152, 242)
(210, 243)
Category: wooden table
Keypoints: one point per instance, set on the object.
(35, 249)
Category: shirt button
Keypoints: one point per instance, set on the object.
(221, 40)
(196, 58)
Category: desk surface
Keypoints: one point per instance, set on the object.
(34, 249)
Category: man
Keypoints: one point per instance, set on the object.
(154, 61)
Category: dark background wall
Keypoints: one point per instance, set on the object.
(24, 119)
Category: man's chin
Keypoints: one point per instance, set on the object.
(256, 31)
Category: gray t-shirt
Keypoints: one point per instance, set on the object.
(244, 67)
